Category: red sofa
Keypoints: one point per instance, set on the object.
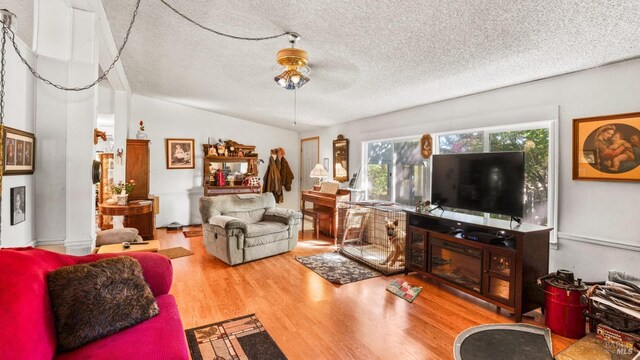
(27, 328)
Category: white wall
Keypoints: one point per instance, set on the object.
(19, 114)
(598, 221)
(180, 190)
(106, 95)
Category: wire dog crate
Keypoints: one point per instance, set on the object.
(373, 233)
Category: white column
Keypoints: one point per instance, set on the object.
(68, 54)
(53, 43)
(82, 115)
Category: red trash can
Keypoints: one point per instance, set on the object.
(564, 303)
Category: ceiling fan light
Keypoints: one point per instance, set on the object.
(303, 80)
(293, 59)
(281, 81)
(291, 79)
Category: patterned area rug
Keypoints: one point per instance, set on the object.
(404, 290)
(192, 233)
(240, 338)
(175, 252)
(336, 268)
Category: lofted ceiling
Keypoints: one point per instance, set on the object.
(24, 15)
(366, 57)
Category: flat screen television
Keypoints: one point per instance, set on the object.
(487, 182)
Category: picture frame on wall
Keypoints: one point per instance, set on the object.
(607, 148)
(426, 146)
(18, 201)
(180, 153)
(19, 152)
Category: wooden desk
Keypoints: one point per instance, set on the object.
(318, 215)
(152, 246)
(137, 214)
(323, 202)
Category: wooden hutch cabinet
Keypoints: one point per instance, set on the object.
(137, 168)
(229, 165)
(502, 272)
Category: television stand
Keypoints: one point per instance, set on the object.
(483, 237)
(502, 272)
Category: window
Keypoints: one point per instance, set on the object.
(535, 144)
(533, 140)
(397, 173)
(461, 143)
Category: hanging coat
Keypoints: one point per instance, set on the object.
(272, 182)
(286, 175)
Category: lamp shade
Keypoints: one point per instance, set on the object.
(291, 79)
(318, 171)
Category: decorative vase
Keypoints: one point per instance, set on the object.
(141, 135)
(230, 180)
(122, 199)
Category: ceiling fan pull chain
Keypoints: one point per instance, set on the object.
(295, 107)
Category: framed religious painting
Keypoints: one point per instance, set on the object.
(19, 151)
(426, 146)
(180, 153)
(607, 148)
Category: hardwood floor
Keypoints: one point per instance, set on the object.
(310, 318)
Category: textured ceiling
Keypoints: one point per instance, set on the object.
(23, 9)
(367, 57)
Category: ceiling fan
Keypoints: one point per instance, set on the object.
(292, 78)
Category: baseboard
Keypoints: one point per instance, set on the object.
(184, 226)
(598, 241)
(49, 241)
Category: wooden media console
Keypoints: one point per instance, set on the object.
(502, 271)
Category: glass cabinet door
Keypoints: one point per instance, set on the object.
(499, 274)
(417, 248)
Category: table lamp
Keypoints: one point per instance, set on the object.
(318, 173)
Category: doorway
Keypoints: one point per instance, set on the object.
(309, 157)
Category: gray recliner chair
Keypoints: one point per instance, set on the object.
(246, 227)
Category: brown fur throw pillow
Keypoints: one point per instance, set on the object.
(97, 299)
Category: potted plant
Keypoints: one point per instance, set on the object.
(122, 190)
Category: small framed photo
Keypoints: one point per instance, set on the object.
(180, 153)
(18, 204)
(607, 148)
(19, 151)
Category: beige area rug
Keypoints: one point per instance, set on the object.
(192, 233)
(590, 347)
(175, 252)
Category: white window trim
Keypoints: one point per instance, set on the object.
(365, 160)
(551, 124)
